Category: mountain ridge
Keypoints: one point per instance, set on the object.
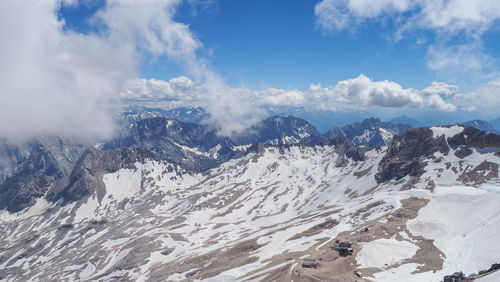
(144, 216)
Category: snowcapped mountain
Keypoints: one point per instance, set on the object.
(134, 113)
(423, 207)
(482, 125)
(199, 147)
(280, 130)
(321, 119)
(370, 132)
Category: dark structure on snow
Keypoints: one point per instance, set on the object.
(344, 248)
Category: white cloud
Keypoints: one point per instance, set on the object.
(456, 15)
(442, 89)
(176, 89)
(332, 15)
(458, 58)
(52, 81)
(485, 98)
(343, 14)
(435, 102)
(363, 92)
(150, 24)
(281, 97)
(356, 93)
(462, 19)
(449, 16)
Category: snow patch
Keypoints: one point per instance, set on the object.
(385, 252)
(122, 184)
(463, 222)
(438, 131)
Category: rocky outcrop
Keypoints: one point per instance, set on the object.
(482, 125)
(52, 156)
(199, 147)
(28, 168)
(404, 155)
(86, 176)
(18, 193)
(370, 132)
(280, 131)
(473, 137)
(482, 173)
(347, 150)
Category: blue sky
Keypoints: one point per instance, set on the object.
(278, 43)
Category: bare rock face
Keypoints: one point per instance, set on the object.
(463, 152)
(370, 132)
(480, 174)
(29, 167)
(18, 193)
(473, 137)
(52, 156)
(347, 150)
(404, 155)
(86, 176)
(199, 147)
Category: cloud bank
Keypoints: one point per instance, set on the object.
(52, 81)
(357, 93)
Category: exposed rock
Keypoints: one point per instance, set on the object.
(474, 137)
(346, 149)
(370, 132)
(199, 147)
(482, 125)
(86, 176)
(404, 155)
(463, 152)
(18, 193)
(480, 174)
(52, 156)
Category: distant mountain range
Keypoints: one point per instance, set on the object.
(482, 125)
(42, 161)
(323, 120)
(370, 132)
(405, 120)
(136, 113)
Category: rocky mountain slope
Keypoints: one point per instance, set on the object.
(370, 132)
(482, 125)
(199, 147)
(29, 167)
(423, 207)
(39, 162)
